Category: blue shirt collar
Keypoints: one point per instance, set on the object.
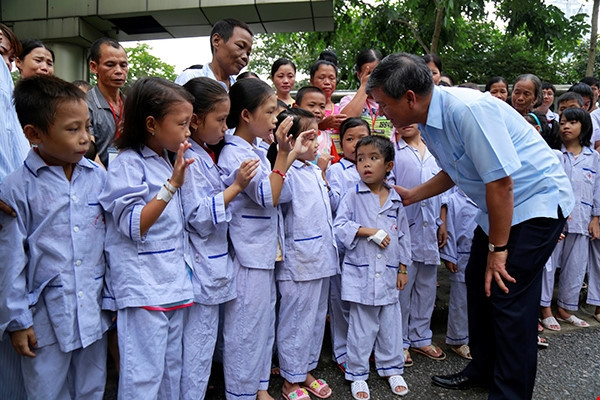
(34, 163)
(434, 119)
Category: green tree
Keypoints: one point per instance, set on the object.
(538, 38)
(142, 63)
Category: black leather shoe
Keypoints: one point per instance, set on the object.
(457, 381)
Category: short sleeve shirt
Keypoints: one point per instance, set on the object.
(478, 139)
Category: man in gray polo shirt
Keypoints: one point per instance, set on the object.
(108, 61)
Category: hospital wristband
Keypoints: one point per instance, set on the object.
(170, 187)
(164, 194)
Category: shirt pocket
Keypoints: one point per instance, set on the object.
(54, 296)
(307, 248)
(94, 212)
(160, 262)
(355, 272)
(465, 170)
(583, 185)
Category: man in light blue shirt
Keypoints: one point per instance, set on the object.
(230, 44)
(499, 161)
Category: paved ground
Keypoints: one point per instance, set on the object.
(568, 369)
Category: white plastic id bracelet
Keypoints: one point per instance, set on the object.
(170, 187)
(378, 237)
(164, 194)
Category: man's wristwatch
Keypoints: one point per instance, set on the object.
(497, 249)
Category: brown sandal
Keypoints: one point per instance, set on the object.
(431, 351)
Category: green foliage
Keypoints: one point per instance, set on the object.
(538, 38)
(142, 63)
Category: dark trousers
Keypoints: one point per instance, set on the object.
(503, 327)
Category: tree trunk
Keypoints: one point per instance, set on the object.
(589, 71)
(437, 30)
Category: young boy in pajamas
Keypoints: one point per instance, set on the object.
(461, 224)
(414, 164)
(52, 277)
(372, 226)
(343, 176)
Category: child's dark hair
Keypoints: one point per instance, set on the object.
(148, 97)
(37, 98)
(495, 79)
(280, 63)
(247, 94)
(550, 133)
(207, 94)
(570, 96)
(28, 45)
(352, 123)
(583, 117)
(83, 85)
(584, 90)
(247, 75)
(385, 146)
(305, 90)
(315, 67)
(301, 120)
(591, 81)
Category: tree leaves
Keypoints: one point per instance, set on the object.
(538, 38)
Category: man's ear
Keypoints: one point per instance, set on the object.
(411, 97)
(216, 41)
(33, 134)
(94, 67)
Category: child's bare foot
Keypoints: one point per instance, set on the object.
(398, 385)
(546, 312)
(263, 395)
(360, 390)
(563, 314)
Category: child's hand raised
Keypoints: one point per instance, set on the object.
(304, 141)
(246, 172)
(181, 165)
(323, 161)
(283, 141)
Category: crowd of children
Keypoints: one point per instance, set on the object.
(182, 244)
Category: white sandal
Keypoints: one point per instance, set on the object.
(395, 381)
(358, 387)
(573, 320)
